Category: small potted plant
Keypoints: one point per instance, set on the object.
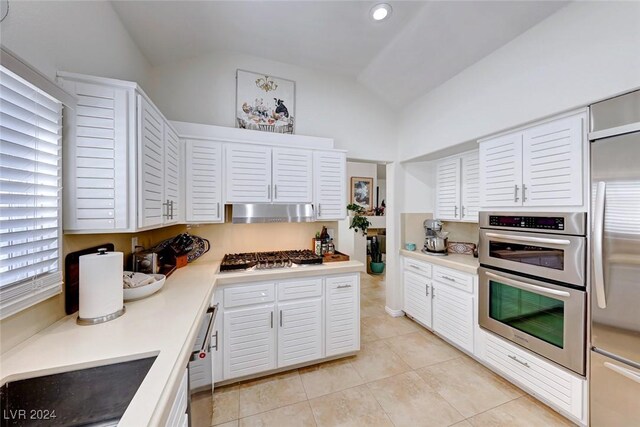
(376, 264)
(358, 221)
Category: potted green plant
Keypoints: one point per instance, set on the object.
(376, 264)
(358, 220)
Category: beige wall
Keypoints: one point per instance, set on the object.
(224, 238)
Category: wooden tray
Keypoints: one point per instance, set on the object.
(336, 257)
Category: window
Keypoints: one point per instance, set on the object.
(30, 194)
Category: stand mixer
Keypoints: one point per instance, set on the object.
(435, 242)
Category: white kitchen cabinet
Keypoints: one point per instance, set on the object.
(448, 189)
(552, 163)
(292, 176)
(540, 166)
(330, 185)
(121, 159)
(178, 410)
(457, 187)
(249, 340)
(342, 314)
(470, 187)
(248, 173)
(557, 387)
(417, 297)
(453, 315)
(300, 330)
(203, 178)
(172, 172)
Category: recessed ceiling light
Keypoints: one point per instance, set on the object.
(381, 11)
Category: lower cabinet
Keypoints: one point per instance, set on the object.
(178, 413)
(267, 326)
(417, 297)
(453, 315)
(249, 341)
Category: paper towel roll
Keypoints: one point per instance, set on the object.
(101, 292)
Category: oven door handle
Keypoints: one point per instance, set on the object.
(598, 233)
(202, 353)
(511, 238)
(529, 287)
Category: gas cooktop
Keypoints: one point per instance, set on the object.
(268, 260)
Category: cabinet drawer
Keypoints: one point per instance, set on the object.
(558, 387)
(179, 406)
(236, 296)
(418, 267)
(457, 279)
(297, 289)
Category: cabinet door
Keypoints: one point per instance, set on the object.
(553, 163)
(417, 297)
(470, 187)
(292, 176)
(448, 189)
(330, 185)
(96, 159)
(342, 308)
(501, 171)
(300, 333)
(203, 177)
(248, 173)
(152, 209)
(172, 162)
(453, 315)
(249, 341)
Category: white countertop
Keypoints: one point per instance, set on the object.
(165, 324)
(466, 263)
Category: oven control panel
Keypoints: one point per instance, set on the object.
(530, 222)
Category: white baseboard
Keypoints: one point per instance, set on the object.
(393, 313)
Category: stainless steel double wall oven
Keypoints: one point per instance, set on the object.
(533, 282)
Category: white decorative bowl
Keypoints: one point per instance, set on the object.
(140, 292)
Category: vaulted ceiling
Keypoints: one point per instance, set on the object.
(422, 44)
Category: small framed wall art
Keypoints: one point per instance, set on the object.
(264, 102)
(362, 192)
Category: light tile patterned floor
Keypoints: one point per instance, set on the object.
(403, 376)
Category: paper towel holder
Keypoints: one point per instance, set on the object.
(101, 319)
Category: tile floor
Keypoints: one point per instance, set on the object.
(403, 376)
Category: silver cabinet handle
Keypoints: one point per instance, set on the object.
(519, 361)
(281, 318)
(553, 293)
(524, 193)
(462, 212)
(515, 193)
(275, 191)
(218, 209)
(166, 209)
(512, 237)
(455, 211)
(214, 347)
(343, 286)
(448, 278)
(171, 205)
(623, 371)
(272, 320)
(598, 234)
(426, 290)
(319, 210)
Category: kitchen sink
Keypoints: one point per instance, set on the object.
(86, 397)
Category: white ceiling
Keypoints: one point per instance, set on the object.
(422, 45)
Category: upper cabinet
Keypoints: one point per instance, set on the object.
(203, 175)
(541, 166)
(457, 188)
(262, 174)
(121, 161)
(330, 185)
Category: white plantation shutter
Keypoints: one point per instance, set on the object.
(30, 226)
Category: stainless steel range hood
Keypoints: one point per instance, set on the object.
(252, 213)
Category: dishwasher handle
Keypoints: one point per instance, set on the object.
(202, 353)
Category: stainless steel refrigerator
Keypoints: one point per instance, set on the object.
(615, 279)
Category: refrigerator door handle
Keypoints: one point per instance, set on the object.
(623, 371)
(598, 235)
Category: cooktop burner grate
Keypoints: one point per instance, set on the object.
(269, 260)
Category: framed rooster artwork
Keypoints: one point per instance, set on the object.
(265, 102)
